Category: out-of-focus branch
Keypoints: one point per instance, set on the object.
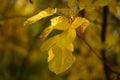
(25, 62)
(103, 39)
(97, 54)
(13, 17)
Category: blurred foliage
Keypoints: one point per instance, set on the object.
(18, 42)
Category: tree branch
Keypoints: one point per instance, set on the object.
(25, 60)
(98, 56)
(13, 17)
(103, 38)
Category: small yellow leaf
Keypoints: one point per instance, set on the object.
(60, 23)
(84, 25)
(46, 32)
(67, 37)
(50, 55)
(42, 14)
(77, 22)
(62, 60)
(49, 43)
(80, 22)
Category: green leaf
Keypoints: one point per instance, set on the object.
(62, 59)
(60, 23)
(66, 37)
(42, 14)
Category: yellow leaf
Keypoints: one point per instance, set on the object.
(67, 37)
(60, 23)
(42, 14)
(46, 32)
(62, 60)
(49, 43)
(61, 40)
(50, 55)
(69, 47)
(77, 22)
(84, 25)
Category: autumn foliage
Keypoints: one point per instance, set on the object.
(60, 40)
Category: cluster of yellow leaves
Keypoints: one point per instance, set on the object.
(60, 46)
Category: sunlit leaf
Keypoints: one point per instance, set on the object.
(62, 59)
(84, 25)
(70, 47)
(42, 14)
(46, 32)
(60, 40)
(60, 23)
(77, 22)
(49, 43)
(50, 55)
(66, 37)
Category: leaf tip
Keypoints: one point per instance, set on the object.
(84, 26)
